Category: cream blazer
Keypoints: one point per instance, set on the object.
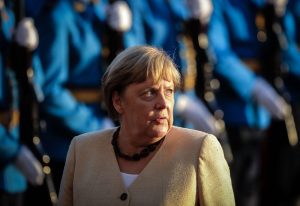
(188, 169)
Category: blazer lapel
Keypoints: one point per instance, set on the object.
(150, 180)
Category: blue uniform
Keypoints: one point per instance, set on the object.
(11, 179)
(165, 28)
(233, 37)
(296, 11)
(292, 30)
(70, 50)
(158, 23)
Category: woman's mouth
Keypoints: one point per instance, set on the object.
(160, 120)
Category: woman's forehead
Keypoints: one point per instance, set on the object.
(151, 83)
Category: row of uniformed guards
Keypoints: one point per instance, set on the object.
(250, 103)
(70, 50)
(18, 165)
(13, 183)
(284, 160)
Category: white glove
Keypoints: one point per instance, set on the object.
(30, 166)
(26, 34)
(265, 95)
(119, 16)
(279, 5)
(195, 112)
(200, 9)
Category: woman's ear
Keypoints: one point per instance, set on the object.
(116, 100)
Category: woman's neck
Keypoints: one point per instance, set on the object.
(134, 164)
(133, 140)
(131, 143)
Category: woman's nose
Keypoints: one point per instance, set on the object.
(161, 101)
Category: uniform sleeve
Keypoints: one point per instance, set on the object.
(292, 58)
(291, 55)
(179, 10)
(215, 187)
(228, 66)
(66, 187)
(136, 35)
(54, 53)
(9, 145)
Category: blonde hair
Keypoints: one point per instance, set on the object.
(135, 65)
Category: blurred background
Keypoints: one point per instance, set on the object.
(240, 67)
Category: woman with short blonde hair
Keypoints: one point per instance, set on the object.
(146, 160)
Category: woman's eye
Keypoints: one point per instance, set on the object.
(169, 92)
(149, 93)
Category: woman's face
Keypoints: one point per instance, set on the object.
(146, 108)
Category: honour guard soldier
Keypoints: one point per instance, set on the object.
(71, 52)
(241, 40)
(18, 165)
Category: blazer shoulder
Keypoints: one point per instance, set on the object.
(189, 133)
(99, 137)
(191, 137)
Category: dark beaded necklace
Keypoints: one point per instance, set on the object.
(137, 156)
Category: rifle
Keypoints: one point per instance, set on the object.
(277, 42)
(30, 96)
(205, 84)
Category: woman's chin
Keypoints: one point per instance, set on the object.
(160, 130)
